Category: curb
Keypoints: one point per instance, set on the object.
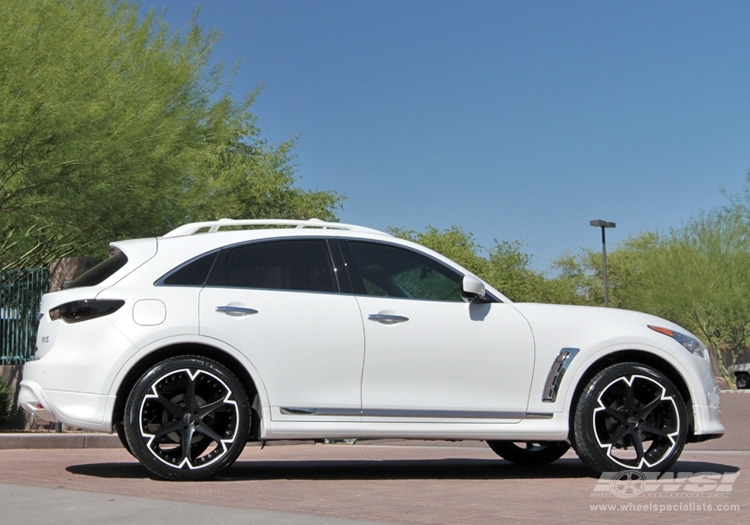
(46, 440)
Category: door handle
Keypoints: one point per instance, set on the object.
(236, 311)
(387, 318)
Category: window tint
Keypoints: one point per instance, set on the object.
(194, 273)
(100, 272)
(296, 264)
(391, 271)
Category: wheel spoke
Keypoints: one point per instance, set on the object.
(654, 431)
(617, 414)
(638, 444)
(173, 426)
(207, 431)
(173, 408)
(187, 439)
(211, 407)
(646, 410)
(190, 395)
(629, 399)
(622, 431)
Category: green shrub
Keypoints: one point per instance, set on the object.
(6, 400)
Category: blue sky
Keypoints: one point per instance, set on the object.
(515, 120)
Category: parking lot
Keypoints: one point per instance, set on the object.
(377, 481)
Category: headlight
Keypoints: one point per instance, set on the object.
(691, 344)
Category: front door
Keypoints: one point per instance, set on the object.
(429, 353)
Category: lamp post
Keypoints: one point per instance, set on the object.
(604, 225)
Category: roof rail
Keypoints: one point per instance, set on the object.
(214, 226)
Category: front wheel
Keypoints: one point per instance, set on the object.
(630, 416)
(529, 453)
(187, 418)
(742, 380)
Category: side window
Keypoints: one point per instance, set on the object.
(294, 264)
(392, 271)
(192, 273)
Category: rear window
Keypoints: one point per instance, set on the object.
(100, 272)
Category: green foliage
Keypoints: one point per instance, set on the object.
(698, 277)
(695, 276)
(504, 265)
(113, 127)
(6, 400)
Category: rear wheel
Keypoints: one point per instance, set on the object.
(630, 416)
(187, 418)
(529, 453)
(743, 380)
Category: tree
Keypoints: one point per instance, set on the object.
(113, 127)
(505, 266)
(695, 276)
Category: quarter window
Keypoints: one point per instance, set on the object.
(193, 273)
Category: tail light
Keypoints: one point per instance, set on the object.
(77, 311)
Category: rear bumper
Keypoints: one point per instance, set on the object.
(77, 409)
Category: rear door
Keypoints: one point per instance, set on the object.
(278, 302)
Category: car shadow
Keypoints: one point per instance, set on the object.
(427, 469)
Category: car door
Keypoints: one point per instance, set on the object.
(278, 303)
(428, 352)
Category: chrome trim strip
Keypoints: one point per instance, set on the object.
(292, 411)
(441, 414)
(556, 373)
(539, 415)
(453, 414)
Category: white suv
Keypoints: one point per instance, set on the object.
(191, 344)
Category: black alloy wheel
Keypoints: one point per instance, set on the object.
(187, 419)
(630, 416)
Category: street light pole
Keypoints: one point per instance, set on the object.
(604, 225)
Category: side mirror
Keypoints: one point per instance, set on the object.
(473, 290)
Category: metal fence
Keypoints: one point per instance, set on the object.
(20, 293)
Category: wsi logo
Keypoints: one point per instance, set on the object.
(632, 483)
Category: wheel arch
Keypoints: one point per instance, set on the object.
(634, 356)
(185, 349)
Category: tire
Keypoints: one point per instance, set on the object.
(529, 453)
(187, 419)
(120, 429)
(630, 416)
(742, 380)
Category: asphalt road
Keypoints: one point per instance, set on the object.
(376, 482)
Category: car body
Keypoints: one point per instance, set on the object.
(191, 344)
(742, 375)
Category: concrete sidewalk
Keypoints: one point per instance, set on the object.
(41, 440)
